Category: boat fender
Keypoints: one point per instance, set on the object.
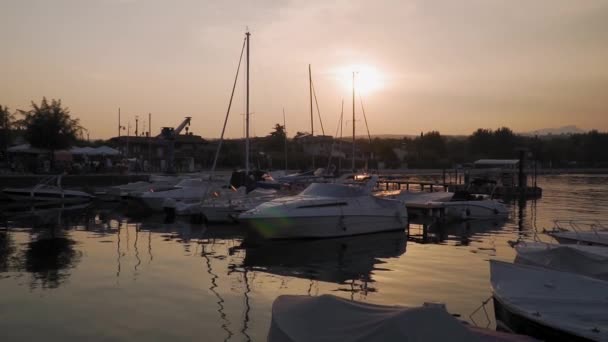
(495, 211)
(468, 212)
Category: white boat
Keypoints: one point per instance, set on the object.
(330, 318)
(548, 304)
(188, 190)
(223, 206)
(327, 210)
(581, 232)
(586, 260)
(45, 192)
(459, 205)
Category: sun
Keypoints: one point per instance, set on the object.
(368, 79)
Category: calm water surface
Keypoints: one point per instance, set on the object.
(96, 273)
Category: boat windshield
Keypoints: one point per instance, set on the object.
(332, 190)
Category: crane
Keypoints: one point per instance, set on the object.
(169, 134)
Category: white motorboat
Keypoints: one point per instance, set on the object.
(330, 318)
(459, 205)
(137, 188)
(327, 210)
(586, 260)
(188, 190)
(45, 192)
(580, 232)
(548, 304)
(222, 206)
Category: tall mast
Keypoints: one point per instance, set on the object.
(247, 34)
(353, 162)
(285, 131)
(119, 127)
(312, 127)
(340, 140)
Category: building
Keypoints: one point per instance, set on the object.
(191, 152)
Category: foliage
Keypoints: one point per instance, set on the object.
(50, 126)
(275, 141)
(7, 120)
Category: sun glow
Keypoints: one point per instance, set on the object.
(368, 78)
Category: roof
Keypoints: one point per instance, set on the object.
(497, 162)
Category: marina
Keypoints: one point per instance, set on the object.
(303, 171)
(100, 260)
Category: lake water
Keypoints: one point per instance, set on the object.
(94, 274)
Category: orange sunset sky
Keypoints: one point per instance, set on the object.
(451, 66)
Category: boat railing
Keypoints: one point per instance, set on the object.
(580, 226)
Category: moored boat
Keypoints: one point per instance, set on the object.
(327, 210)
(548, 304)
(330, 318)
(591, 261)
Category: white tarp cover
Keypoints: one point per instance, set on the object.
(95, 151)
(588, 260)
(105, 150)
(329, 318)
(561, 300)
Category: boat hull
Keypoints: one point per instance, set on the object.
(521, 325)
(323, 226)
(67, 197)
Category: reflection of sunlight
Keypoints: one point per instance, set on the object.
(368, 78)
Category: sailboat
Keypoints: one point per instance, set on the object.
(325, 210)
(223, 205)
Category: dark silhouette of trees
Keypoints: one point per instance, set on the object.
(7, 120)
(275, 141)
(50, 126)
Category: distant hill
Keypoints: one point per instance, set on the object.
(566, 130)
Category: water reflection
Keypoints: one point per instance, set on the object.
(348, 260)
(7, 249)
(50, 260)
(457, 233)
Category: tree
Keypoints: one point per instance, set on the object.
(6, 122)
(50, 126)
(276, 139)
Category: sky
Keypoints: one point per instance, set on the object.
(422, 65)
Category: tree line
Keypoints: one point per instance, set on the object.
(49, 125)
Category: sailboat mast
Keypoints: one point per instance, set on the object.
(285, 131)
(247, 34)
(312, 125)
(340, 140)
(353, 161)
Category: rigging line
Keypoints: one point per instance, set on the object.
(314, 93)
(338, 129)
(219, 146)
(365, 117)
